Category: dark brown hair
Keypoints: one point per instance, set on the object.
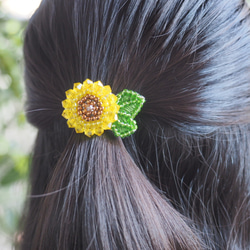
(182, 180)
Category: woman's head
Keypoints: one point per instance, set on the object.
(188, 58)
(181, 179)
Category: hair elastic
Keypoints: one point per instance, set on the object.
(91, 108)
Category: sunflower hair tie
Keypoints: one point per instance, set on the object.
(91, 108)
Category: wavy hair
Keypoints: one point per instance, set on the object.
(182, 180)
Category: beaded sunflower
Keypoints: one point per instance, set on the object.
(91, 108)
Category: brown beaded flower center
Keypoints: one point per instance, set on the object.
(90, 108)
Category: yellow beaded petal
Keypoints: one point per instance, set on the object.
(106, 100)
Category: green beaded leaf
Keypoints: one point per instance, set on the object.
(130, 104)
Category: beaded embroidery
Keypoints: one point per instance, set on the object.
(91, 108)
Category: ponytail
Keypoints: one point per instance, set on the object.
(97, 198)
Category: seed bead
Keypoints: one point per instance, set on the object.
(90, 108)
